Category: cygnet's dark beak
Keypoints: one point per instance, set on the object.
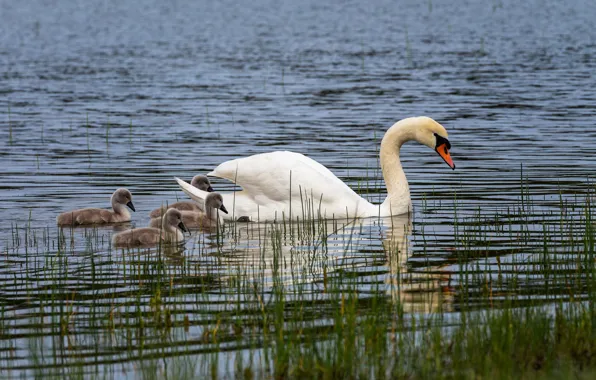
(182, 227)
(131, 206)
(210, 189)
(223, 208)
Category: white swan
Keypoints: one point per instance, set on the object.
(281, 185)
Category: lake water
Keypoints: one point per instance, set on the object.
(128, 94)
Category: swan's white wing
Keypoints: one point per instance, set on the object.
(194, 193)
(271, 181)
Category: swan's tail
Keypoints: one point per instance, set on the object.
(194, 193)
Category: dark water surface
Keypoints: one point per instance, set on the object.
(95, 96)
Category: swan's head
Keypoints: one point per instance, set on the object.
(173, 218)
(122, 197)
(215, 200)
(434, 136)
(201, 182)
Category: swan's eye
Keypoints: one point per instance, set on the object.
(442, 141)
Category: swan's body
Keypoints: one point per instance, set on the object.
(200, 182)
(121, 199)
(200, 219)
(282, 185)
(170, 232)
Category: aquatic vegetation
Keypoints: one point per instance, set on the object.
(499, 295)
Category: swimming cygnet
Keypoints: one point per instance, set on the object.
(200, 219)
(201, 182)
(120, 199)
(170, 232)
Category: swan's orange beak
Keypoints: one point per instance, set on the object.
(444, 152)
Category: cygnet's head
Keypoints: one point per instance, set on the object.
(123, 197)
(173, 218)
(201, 182)
(434, 136)
(215, 200)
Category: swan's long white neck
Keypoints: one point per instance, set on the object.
(398, 191)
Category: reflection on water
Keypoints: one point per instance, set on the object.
(415, 292)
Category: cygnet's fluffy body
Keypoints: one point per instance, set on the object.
(201, 182)
(170, 233)
(121, 199)
(200, 219)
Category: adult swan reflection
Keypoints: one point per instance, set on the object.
(322, 258)
(417, 289)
